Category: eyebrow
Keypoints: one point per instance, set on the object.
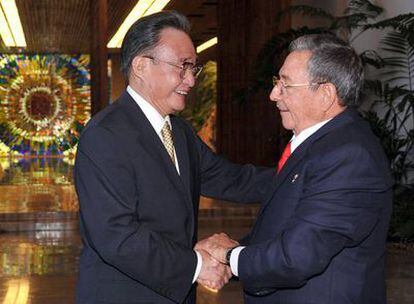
(188, 59)
(284, 77)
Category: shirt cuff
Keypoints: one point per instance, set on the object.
(234, 260)
(199, 264)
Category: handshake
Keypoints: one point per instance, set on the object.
(215, 272)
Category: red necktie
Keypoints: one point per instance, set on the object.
(285, 155)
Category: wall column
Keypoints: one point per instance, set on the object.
(99, 55)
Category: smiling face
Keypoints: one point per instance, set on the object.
(300, 107)
(159, 82)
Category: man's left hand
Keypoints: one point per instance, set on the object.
(217, 246)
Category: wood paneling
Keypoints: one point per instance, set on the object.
(63, 26)
(250, 131)
(55, 25)
(202, 15)
(117, 12)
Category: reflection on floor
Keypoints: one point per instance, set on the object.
(40, 244)
(37, 194)
(38, 267)
(33, 185)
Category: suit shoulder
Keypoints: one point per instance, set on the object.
(351, 145)
(109, 117)
(112, 122)
(119, 117)
(355, 133)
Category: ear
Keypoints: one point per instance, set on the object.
(330, 96)
(138, 66)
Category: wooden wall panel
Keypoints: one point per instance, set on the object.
(55, 25)
(248, 132)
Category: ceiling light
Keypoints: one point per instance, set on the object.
(5, 33)
(207, 44)
(141, 9)
(17, 292)
(11, 28)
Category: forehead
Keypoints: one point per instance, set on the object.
(176, 43)
(296, 65)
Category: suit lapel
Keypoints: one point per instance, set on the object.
(181, 149)
(286, 172)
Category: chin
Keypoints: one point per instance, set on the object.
(179, 105)
(287, 121)
(288, 125)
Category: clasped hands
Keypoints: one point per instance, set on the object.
(214, 272)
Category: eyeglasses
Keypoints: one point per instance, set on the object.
(277, 82)
(195, 69)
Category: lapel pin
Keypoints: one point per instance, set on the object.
(295, 177)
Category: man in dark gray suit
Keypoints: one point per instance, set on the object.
(139, 173)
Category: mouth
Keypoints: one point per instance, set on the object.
(181, 92)
(281, 108)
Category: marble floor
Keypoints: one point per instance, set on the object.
(40, 243)
(41, 268)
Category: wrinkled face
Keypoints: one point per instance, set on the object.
(300, 107)
(162, 84)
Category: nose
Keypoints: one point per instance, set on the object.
(275, 94)
(189, 78)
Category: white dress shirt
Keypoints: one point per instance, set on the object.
(296, 140)
(157, 122)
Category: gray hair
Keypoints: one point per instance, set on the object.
(335, 61)
(144, 35)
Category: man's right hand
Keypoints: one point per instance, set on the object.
(213, 274)
(217, 246)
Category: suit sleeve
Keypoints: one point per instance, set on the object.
(340, 205)
(224, 180)
(107, 192)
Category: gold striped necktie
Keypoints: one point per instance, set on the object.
(167, 137)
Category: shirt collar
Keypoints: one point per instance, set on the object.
(302, 136)
(154, 117)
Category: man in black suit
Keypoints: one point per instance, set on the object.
(320, 234)
(139, 173)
